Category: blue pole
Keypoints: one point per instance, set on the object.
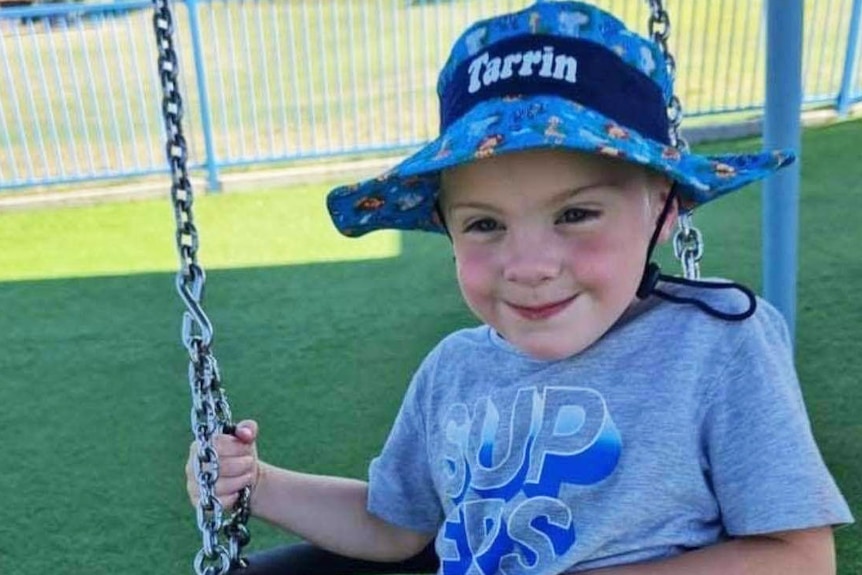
(213, 184)
(851, 58)
(782, 130)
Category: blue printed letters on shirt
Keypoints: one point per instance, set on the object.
(504, 481)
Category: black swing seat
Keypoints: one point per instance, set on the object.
(306, 559)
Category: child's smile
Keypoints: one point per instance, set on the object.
(551, 245)
(542, 311)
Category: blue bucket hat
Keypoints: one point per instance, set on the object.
(562, 75)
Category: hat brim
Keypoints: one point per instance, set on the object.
(404, 198)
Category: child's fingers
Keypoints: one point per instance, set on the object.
(236, 466)
(234, 457)
(228, 485)
(228, 501)
(230, 446)
(191, 479)
(237, 463)
(246, 431)
(227, 488)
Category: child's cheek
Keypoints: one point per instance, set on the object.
(475, 275)
(599, 260)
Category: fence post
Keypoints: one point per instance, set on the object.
(780, 218)
(851, 59)
(213, 184)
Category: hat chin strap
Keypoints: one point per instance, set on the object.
(652, 275)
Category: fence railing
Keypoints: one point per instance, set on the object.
(269, 81)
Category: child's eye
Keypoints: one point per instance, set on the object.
(576, 215)
(483, 225)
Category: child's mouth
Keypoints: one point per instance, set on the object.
(544, 311)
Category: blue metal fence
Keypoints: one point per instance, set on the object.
(274, 81)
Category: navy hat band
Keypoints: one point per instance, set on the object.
(578, 70)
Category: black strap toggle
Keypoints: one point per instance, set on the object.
(652, 275)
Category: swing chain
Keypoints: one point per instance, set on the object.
(659, 31)
(210, 412)
(688, 241)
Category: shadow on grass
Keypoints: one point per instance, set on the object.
(95, 396)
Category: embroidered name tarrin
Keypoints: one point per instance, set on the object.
(485, 70)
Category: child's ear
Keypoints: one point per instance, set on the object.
(663, 192)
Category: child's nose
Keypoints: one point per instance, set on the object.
(531, 259)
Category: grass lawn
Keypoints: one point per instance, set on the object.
(317, 337)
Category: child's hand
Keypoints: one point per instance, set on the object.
(238, 464)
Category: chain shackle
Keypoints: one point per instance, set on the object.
(222, 538)
(687, 241)
(688, 246)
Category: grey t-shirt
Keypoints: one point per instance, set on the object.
(674, 431)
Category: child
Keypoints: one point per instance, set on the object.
(600, 419)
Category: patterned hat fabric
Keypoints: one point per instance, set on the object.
(563, 75)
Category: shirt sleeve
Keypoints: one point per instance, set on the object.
(766, 469)
(400, 484)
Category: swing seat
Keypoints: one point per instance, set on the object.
(306, 559)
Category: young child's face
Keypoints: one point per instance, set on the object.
(551, 245)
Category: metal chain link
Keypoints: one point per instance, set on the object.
(688, 246)
(688, 241)
(222, 538)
